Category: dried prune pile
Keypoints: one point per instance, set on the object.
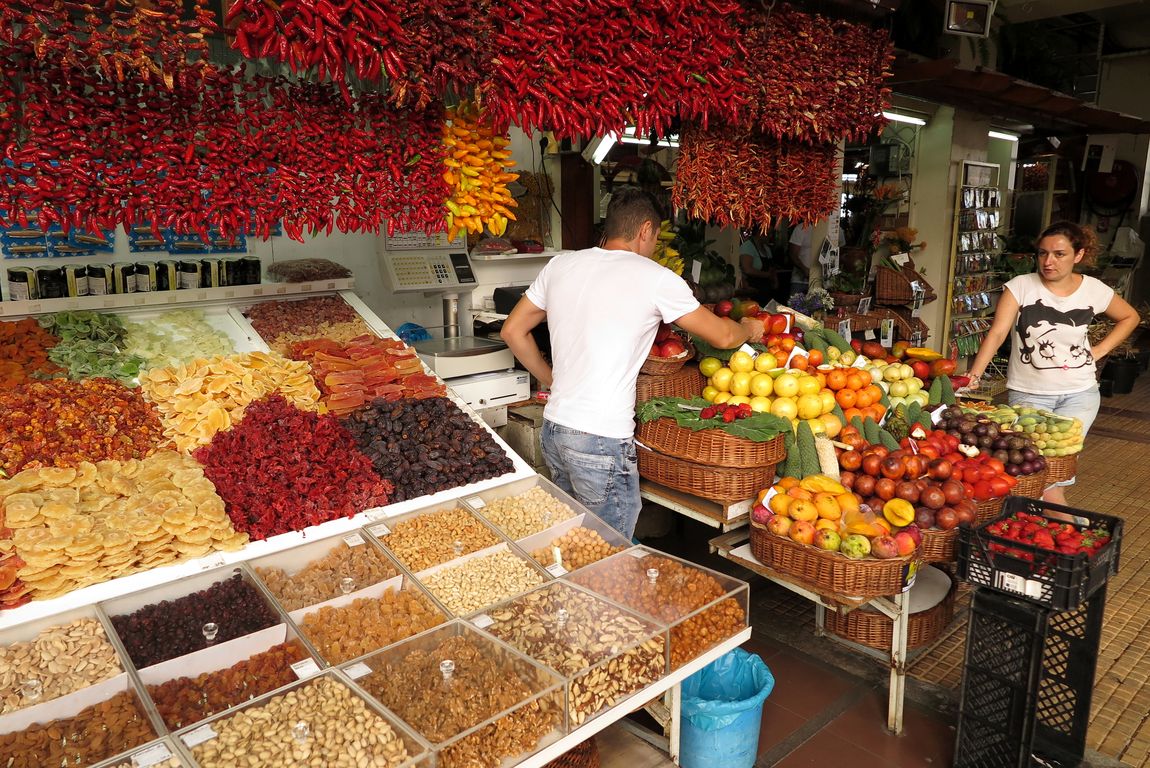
(425, 446)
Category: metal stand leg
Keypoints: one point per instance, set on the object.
(898, 663)
(820, 619)
(673, 732)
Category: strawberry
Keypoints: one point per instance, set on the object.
(707, 413)
(729, 415)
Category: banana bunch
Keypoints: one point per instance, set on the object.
(664, 253)
(477, 161)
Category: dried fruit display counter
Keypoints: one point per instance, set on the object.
(340, 630)
(199, 376)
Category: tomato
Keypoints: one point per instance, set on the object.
(982, 490)
(928, 450)
(957, 473)
(998, 467)
(999, 486)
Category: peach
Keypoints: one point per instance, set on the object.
(802, 532)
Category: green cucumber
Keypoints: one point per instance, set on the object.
(808, 453)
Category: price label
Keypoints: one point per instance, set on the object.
(868, 334)
(696, 271)
(637, 552)
(845, 328)
(199, 736)
(556, 570)
(749, 350)
(919, 294)
(381, 514)
(353, 540)
(902, 259)
(157, 753)
(477, 502)
(379, 530)
(215, 561)
(887, 331)
(305, 668)
(358, 670)
(1012, 582)
(864, 305)
(483, 621)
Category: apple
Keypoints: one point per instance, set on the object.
(656, 350)
(907, 541)
(827, 539)
(802, 531)
(672, 348)
(780, 526)
(856, 345)
(884, 547)
(779, 323)
(761, 514)
(723, 308)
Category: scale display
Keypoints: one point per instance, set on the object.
(420, 241)
(424, 271)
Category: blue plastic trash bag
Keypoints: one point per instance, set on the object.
(718, 693)
(722, 710)
(410, 332)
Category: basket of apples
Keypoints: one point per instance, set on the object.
(668, 354)
(822, 534)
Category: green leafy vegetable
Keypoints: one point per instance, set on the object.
(758, 428)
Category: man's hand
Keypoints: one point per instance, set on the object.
(754, 328)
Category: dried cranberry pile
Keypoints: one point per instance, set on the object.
(172, 628)
(282, 469)
(425, 446)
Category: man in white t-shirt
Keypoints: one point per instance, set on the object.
(603, 307)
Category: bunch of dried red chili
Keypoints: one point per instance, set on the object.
(420, 47)
(815, 79)
(282, 469)
(733, 178)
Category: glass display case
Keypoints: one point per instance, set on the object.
(320, 721)
(702, 607)
(605, 652)
(477, 701)
(434, 535)
(476, 581)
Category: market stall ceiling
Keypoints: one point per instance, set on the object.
(942, 81)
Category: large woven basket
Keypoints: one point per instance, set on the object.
(893, 286)
(848, 302)
(1030, 485)
(875, 630)
(987, 510)
(584, 755)
(1059, 468)
(868, 322)
(709, 446)
(938, 545)
(665, 366)
(723, 484)
(686, 383)
(831, 571)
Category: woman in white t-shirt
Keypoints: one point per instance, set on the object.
(1048, 315)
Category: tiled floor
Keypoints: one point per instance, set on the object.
(828, 707)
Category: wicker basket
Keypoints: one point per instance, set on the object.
(722, 484)
(665, 366)
(1030, 485)
(713, 447)
(938, 545)
(687, 383)
(893, 286)
(848, 302)
(873, 629)
(584, 755)
(867, 322)
(1059, 468)
(988, 509)
(905, 326)
(831, 571)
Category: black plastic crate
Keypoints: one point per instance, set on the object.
(1027, 682)
(1049, 579)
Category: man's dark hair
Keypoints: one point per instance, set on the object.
(628, 209)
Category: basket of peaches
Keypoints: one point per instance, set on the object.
(824, 535)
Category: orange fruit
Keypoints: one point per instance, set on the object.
(863, 398)
(822, 377)
(850, 413)
(878, 410)
(803, 509)
(856, 380)
(846, 398)
(837, 379)
(800, 362)
(816, 357)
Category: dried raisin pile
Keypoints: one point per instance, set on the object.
(426, 446)
(172, 628)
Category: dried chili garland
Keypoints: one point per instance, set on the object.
(732, 178)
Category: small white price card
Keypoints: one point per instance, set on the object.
(864, 305)
(356, 671)
(696, 271)
(749, 350)
(845, 328)
(556, 570)
(637, 552)
(305, 668)
(379, 530)
(477, 502)
(199, 735)
(868, 335)
(353, 539)
(215, 561)
(157, 753)
(887, 330)
(482, 621)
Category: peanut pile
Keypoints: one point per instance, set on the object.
(431, 539)
(528, 513)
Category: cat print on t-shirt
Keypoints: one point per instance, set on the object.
(1050, 338)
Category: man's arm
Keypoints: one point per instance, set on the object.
(517, 333)
(720, 332)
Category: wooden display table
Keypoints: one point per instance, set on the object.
(725, 517)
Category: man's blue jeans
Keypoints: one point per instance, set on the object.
(601, 472)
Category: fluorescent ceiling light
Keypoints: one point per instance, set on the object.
(631, 137)
(897, 118)
(596, 150)
(1001, 135)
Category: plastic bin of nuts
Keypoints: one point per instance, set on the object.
(191, 688)
(476, 581)
(79, 729)
(161, 753)
(321, 570)
(368, 619)
(433, 536)
(477, 701)
(548, 524)
(702, 607)
(201, 611)
(605, 652)
(322, 721)
(55, 656)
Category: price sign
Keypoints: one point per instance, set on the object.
(353, 540)
(305, 668)
(829, 259)
(887, 332)
(864, 305)
(868, 334)
(919, 294)
(482, 621)
(356, 671)
(199, 735)
(477, 502)
(157, 753)
(845, 328)
(696, 271)
(379, 530)
(556, 570)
